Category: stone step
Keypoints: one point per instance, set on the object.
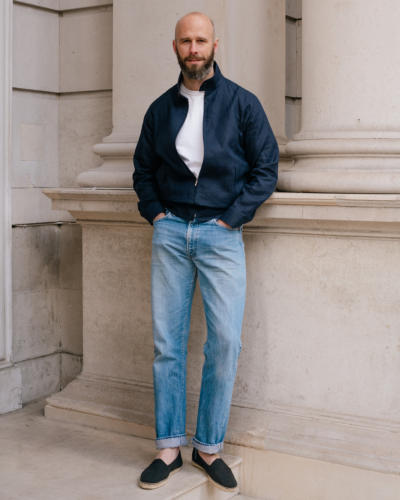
(192, 484)
(44, 459)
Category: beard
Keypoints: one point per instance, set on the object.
(196, 73)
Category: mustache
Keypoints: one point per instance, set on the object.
(194, 59)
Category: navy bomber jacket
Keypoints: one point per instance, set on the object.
(240, 166)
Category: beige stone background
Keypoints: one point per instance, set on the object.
(61, 108)
(316, 399)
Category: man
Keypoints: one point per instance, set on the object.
(205, 160)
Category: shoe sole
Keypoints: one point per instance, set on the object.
(219, 486)
(153, 486)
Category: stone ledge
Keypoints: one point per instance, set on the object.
(363, 214)
(127, 407)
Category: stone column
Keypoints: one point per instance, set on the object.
(255, 57)
(350, 136)
(252, 52)
(10, 375)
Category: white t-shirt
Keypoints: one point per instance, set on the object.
(189, 141)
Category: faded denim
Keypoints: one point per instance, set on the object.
(182, 253)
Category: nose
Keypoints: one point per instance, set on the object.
(193, 47)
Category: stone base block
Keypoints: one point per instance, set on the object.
(10, 389)
(278, 476)
(104, 404)
(40, 377)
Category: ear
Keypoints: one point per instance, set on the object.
(174, 45)
(216, 42)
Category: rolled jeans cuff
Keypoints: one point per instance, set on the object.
(171, 442)
(207, 448)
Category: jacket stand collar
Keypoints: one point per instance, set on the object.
(207, 85)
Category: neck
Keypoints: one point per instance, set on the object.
(191, 84)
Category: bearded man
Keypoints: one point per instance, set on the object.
(205, 160)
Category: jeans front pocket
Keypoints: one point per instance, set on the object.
(215, 221)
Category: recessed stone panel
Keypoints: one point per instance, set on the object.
(322, 319)
(85, 119)
(35, 48)
(86, 50)
(34, 140)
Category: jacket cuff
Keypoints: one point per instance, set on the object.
(233, 218)
(149, 209)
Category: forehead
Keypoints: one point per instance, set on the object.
(194, 25)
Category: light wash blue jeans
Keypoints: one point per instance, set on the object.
(182, 252)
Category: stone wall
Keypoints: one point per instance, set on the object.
(61, 106)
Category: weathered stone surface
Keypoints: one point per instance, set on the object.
(62, 5)
(293, 59)
(34, 332)
(293, 117)
(40, 377)
(84, 120)
(40, 456)
(34, 140)
(47, 289)
(68, 319)
(35, 258)
(329, 308)
(35, 50)
(86, 50)
(10, 389)
(322, 278)
(271, 475)
(70, 255)
(293, 8)
(116, 307)
(47, 4)
(71, 366)
(79, 4)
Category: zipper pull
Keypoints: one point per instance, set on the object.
(196, 181)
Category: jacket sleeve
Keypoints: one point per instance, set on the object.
(262, 155)
(146, 163)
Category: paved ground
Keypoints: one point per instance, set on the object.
(43, 459)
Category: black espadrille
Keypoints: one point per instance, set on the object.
(218, 472)
(158, 472)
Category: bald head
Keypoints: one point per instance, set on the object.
(195, 45)
(195, 20)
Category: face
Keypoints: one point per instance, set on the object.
(195, 46)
